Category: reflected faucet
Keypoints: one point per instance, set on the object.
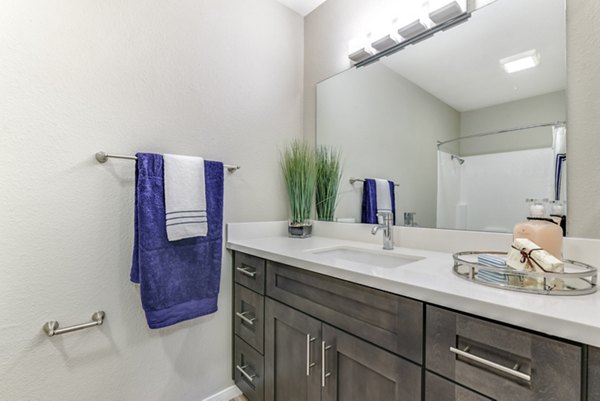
(388, 229)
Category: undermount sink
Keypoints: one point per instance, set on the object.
(366, 256)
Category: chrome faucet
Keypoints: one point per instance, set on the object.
(387, 226)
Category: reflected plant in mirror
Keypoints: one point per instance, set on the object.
(329, 175)
(469, 122)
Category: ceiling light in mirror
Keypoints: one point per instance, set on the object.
(521, 61)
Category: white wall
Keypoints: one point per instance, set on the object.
(583, 129)
(550, 107)
(218, 78)
(328, 29)
(366, 113)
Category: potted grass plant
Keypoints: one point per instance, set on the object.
(329, 174)
(299, 172)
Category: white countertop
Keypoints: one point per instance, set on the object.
(430, 279)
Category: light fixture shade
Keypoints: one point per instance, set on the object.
(387, 41)
(444, 10)
(361, 54)
(521, 61)
(413, 28)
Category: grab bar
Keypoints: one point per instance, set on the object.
(51, 327)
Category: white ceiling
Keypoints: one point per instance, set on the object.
(461, 65)
(302, 7)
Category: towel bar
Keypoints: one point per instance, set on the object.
(103, 157)
(353, 180)
(51, 327)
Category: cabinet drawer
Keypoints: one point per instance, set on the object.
(501, 362)
(390, 321)
(249, 369)
(249, 271)
(439, 389)
(248, 316)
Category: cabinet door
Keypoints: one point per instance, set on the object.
(355, 370)
(594, 375)
(292, 364)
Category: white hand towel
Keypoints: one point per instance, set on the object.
(185, 197)
(384, 198)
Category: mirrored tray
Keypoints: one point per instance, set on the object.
(577, 279)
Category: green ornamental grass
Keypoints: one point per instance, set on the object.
(299, 171)
(329, 174)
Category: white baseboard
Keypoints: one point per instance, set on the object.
(225, 395)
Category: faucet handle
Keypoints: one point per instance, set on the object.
(385, 215)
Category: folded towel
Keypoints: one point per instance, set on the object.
(493, 261)
(178, 280)
(378, 195)
(185, 197)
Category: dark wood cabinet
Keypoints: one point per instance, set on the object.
(303, 336)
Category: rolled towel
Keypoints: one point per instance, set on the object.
(526, 255)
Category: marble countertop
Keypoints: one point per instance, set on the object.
(430, 279)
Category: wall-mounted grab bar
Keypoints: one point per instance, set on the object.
(51, 327)
(103, 157)
(353, 180)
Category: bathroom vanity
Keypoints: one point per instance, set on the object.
(306, 329)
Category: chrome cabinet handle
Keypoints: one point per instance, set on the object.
(513, 372)
(324, 374)
(309, 364)
(242, 316)
(246, 272)
(242, 370)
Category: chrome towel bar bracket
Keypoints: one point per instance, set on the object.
(51, 327)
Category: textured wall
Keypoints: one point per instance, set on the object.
(328, 29)
(218, 78)
(583, 113)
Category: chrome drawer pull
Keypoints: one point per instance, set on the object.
(309, 364)
(324, 375)
(493, 365)
(244, 318)
(246, 375)
(246, 272)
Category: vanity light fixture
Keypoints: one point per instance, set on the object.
(443, 10)
(521, 61)
(415, 27)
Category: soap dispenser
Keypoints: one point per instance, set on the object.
(559, 215)
(541, 230)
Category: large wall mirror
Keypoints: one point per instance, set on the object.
(466, 141)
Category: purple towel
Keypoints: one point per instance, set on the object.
(178, 280)
(369, 201)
